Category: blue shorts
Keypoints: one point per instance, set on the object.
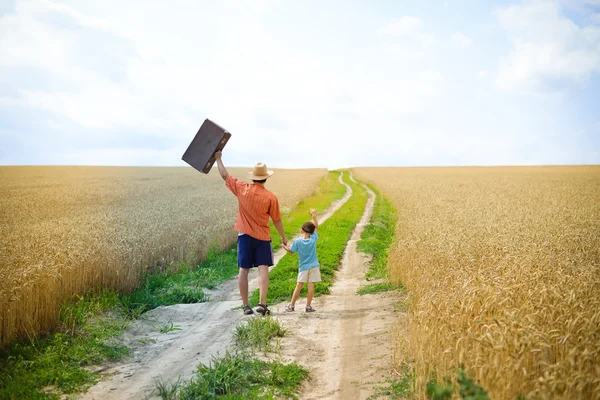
(253, 252)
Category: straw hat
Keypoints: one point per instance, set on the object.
(260, 172)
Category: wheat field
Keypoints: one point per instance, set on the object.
(502, 268)
(65, 230)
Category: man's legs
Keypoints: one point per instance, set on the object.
(263, 283)
(244, 249)
(243, 284)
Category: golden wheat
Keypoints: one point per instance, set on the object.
(502, 266)
(65, 230)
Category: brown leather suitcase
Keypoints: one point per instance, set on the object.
(201, 152)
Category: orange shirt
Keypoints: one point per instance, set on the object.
(255, 205)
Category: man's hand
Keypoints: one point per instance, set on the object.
(222, 169)
(284, 241)
(279, 226)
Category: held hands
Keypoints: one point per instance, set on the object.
(284, 241)
(286, 248)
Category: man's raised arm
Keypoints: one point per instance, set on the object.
(222, 169)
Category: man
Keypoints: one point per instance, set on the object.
(255, 205)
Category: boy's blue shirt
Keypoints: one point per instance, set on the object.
(307, 251)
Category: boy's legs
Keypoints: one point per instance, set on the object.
(311, 291)
(296, 294)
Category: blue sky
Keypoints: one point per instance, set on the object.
(301, 83)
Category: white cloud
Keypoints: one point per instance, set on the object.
(158, 79)
(133, 91)
(549, 50)
(408, 27)
(404, 26)
(461, 39)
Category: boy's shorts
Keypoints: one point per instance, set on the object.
(253, 252)
(310, 275)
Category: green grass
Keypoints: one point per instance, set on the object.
(329, 190)
(165, 390)
(333, 238)
(396, 388)
(378, 235)
(401, 306)
(182, 284)
(49, 367)
(166, 328)
(466, 387)
(239, 376)
(257, 334)
(374, 288)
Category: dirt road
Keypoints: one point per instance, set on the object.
(345, 344)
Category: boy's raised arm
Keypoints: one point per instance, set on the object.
(313, 212)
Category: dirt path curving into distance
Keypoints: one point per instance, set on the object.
(205, 331)
(346, 345)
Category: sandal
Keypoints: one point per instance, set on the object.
(262, 309)
(310, 309)
(248, 310)
(289, 307)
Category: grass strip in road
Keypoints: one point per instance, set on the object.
(378, 236)
(333, 238)
(257, 334)
(329, 190)
(240, 375)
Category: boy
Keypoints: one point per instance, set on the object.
(308, 271)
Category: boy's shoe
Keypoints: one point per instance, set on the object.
(262, 309)
(289, 308)
(310, 309)
(248, 310)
